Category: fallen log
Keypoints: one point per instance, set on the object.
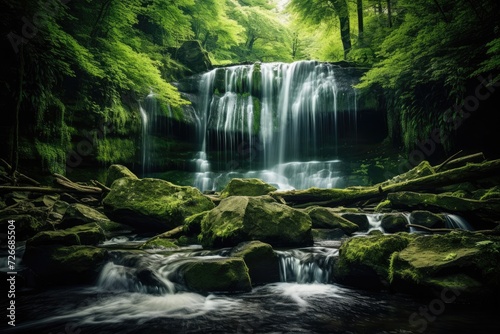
(169, 234)
(45, 190)
(68, 184)
(428, 183)
(458, 162)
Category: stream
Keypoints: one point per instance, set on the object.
(305, 301)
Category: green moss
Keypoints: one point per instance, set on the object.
(246, 187)
(115, 150)
(256, 115)
(383, 206)
(159, 243)
(217, 275)
(192, 224)
(89, 234)
(52, 156)
(78, 258)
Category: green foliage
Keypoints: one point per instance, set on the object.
(115, 150)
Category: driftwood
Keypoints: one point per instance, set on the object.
(67, 186)
(19, 176)
(353, 195)
(72, 186)
(451, 163)
(169, 234)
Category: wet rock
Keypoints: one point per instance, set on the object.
(242, 218)
(359, 219)
(322, 234)
(261, 260)
(246, 187)
(208, 275)
(64, 264)
(153, 204)
(80, 214)
(327, 218)
(392, 223)
(116, 172)
(427, 219)
(364, 261)
(89, 234)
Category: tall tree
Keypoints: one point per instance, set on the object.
(316, 11)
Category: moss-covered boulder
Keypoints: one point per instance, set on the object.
(192, 224)
(246, 187)
(243, 218)
(261, 260)
(26, 225)
(89, 234)
(64, 264)
(463, 261)
(427, 219)
(159, 243)
(326, 218)
(392, 223)
(208, 275)
(116, 172)
(153, 204)
(364, 261)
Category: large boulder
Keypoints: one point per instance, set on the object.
(395, 222)
(462, 261)
(208, 275)
(246, 187)
(364, 261)
(243, 218)
(427, 219)
(153, 204)
(327, 218)
(80, 214)
(261, 260)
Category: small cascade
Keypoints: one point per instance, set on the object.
(311, 265)
(274, 119)
(145, 139)
(456, 222)
(375, 222)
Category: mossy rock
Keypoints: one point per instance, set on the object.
(261, 260)
(89, 234)
(153, 204)
(80, 214)
(116, 172)
(360, 219)
(192, 224)
(243, 218)
(364, 261)
(392, 223)
(423, 169)
(329, 219)
(208, 275)
(246, 187)
(464, 261)
(384, 206)
(427, 219)
(65, 264)
(193, 56)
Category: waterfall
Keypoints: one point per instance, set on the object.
(457, 222)
(154, 123)
(273, 121)
(313, 265)
(375, 222)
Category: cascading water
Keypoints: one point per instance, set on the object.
(273, 121)
(313, 265)
(457, 222)
(154, 122)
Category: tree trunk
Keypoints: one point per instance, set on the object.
(389, 13)
(342, 10)
(15, 139)
(360, 18)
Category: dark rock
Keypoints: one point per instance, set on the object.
(359, 219)
(427, 219)
(392, 223)
(261, 260)
(329, 219)
(116, 172)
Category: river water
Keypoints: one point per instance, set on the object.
(306, 301)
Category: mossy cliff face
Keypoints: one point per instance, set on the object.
(241, 218)
(153, 204)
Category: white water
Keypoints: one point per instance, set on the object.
(278, 126)
(457, 222)
(309, 265)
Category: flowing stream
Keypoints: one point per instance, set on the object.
(136, 293)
